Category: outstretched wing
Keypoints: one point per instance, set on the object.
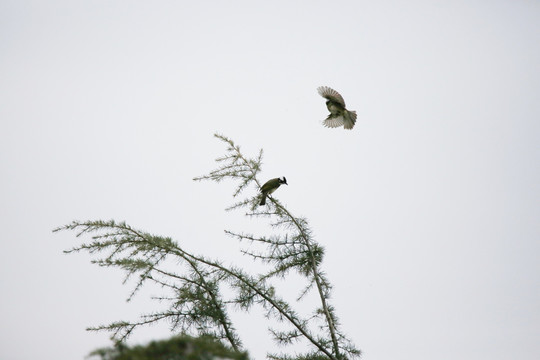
(331, 94)
(334, 121)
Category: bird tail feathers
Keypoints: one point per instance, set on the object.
(349, 119)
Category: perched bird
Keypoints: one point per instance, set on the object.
(270, 186)
(339, 115)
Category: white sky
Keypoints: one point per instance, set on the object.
(428, 209)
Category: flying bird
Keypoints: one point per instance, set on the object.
(270, 186)
(339, 115)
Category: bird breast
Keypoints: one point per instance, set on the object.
(333, 107)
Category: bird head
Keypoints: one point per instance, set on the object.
(283, 181)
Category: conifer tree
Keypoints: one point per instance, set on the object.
(197, 302)
(175, 348)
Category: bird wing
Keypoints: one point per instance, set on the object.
(334, 121)
(269, 185)
(331, 94)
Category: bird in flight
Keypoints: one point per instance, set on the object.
(339, 115)
(270, 186)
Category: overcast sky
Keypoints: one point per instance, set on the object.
(428, 209)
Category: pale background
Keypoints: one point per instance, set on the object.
(428, 209)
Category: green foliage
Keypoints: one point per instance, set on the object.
(196, 301)
(176, 348)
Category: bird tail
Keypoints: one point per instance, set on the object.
(349, 119)
(263, 200)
